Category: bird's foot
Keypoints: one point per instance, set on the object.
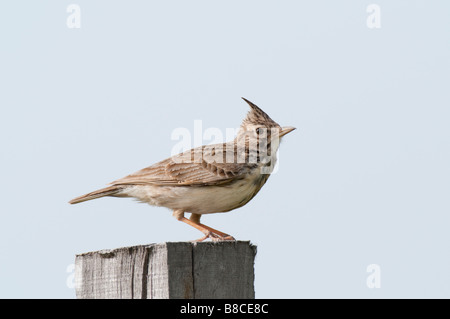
(215, 237)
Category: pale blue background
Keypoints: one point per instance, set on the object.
(364, 180)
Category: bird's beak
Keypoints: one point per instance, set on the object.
(286, 129)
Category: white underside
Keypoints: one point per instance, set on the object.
(197, 200)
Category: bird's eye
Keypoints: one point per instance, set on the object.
(258, 130)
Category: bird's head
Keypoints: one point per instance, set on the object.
(258, 124)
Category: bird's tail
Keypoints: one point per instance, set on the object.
(107, 191)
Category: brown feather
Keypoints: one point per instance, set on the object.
(192, 168)
(108, 191)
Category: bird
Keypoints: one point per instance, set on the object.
(215, 178)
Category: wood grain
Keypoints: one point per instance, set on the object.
(172, 270)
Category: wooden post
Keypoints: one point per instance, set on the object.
(169, 271)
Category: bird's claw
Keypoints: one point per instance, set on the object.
(215, 237)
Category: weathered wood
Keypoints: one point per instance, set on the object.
(179, 270)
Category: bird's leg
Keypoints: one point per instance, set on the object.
(221, 236)
(195, 218)
(179, 215)
(209, 232)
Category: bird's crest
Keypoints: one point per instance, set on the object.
(256, 116)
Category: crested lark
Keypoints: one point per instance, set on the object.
(207, 179)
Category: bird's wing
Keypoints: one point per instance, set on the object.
(204, 165)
